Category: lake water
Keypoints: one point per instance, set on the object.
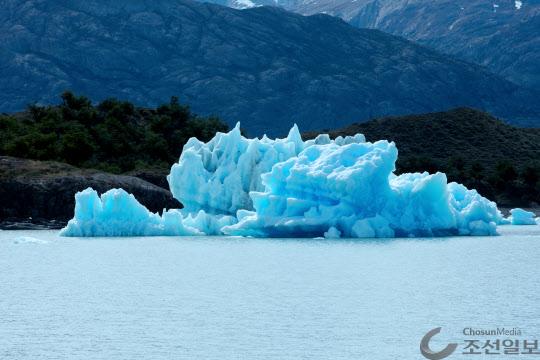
(231, 298)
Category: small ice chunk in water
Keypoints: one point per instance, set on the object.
(29, 240)
(522, 217)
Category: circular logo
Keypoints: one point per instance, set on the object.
(432, 355)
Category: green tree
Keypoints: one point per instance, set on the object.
(530, 176)
(477, 171)
(506, 172)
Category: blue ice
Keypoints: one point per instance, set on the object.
(292, 188)
(521, 217)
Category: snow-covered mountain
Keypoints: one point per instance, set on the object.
(503, 35)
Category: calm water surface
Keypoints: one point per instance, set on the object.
(231, 298)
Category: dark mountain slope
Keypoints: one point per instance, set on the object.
(502, 35)
(472, 147)
(263, 66)
(471, 134)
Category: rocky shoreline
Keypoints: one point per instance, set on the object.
(40, 194)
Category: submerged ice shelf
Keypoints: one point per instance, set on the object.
(292, 188)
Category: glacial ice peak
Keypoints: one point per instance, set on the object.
(218, 176)
(295, 138)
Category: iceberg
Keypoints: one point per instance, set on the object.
(288, 187)
(521, 217)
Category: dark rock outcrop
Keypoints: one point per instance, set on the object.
(265, 67)
(40, 191)
(157, 177)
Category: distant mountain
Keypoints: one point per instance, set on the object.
(468, 133)
(472, 147)
(501, 35)
(263, 66)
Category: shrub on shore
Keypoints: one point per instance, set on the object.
(115, 136)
